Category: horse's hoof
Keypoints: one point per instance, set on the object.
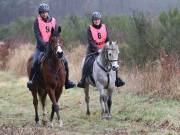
(88, 117)
(109, 116)
(105, 116)
(50, 124)
(37, 124)
(88, 113)
(60, 123)
(44, 123)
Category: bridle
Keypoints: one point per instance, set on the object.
(109, 61)
(55, 47)
(107, 56)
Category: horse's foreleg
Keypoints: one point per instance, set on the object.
(51, 117)
(58, 94)
(56, 109)
(103, 101)
(109, 102)
(87, 98)
(52, 114)
(55, 106)
(43, 102)
(35, 103)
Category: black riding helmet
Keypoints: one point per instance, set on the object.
(96, 15)
(43, 7)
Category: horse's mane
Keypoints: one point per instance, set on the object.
(103, 51)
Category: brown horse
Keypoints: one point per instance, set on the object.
(51, 78)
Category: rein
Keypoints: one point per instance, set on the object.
(107, 71)
(47, 54)
(107, 55)
(104, 69)
(56, 47)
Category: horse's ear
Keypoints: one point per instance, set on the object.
(59, 29)
(110, 42)
(52, 30)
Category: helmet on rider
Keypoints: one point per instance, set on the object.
(43, 7)
(96, 19)
(96, 16)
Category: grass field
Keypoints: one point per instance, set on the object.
(133, 114)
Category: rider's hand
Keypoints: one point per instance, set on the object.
(99, 51)
(46, 46)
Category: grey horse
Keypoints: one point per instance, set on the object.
(104, 75)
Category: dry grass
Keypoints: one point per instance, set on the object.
(161, 77)
(132, 114)
(18, 58)
(75, 58)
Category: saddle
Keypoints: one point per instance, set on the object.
(88, 65)
(42, 58)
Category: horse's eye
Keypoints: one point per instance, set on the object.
(109, 54)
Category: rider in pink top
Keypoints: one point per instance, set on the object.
(42, 30)
(97, 35)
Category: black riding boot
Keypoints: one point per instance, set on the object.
(86, 70)
(68, 84)
(81, 84)
(119, 82)
(31, 82)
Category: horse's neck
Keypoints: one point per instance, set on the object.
(53, 61)
(101, 59)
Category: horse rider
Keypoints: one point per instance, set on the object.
(97, 35)
(42, 30)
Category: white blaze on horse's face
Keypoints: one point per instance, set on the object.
(113, 53)
(59, 51)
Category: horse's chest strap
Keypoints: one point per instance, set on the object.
(105, 70)
(107, 81)
(57, 75)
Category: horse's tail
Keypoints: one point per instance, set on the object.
(29, 65)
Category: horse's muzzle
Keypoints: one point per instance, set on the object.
(60, 54)
(115, 68)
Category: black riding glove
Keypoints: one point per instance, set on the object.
(46, 47)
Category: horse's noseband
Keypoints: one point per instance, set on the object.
(108, 57)
(60, 54)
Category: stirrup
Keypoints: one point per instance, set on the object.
(69, 85)
(81, 84)
(30, 85)
(119, 82)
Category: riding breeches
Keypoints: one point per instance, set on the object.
(35, 63)
(88, 64)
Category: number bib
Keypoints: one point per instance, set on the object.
(45, 28)
(99, 35)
